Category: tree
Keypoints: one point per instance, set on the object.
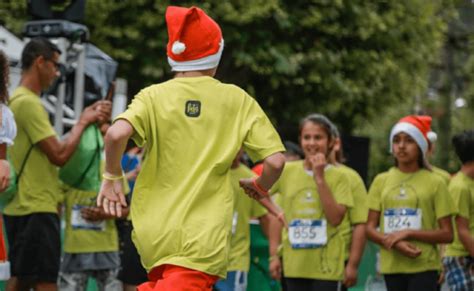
(344, 58)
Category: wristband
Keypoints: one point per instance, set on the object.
(259, 188)
(274, 257)
(110, 177)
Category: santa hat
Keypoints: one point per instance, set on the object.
(416, 126)
(195, 40)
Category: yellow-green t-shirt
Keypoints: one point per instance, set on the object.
(244, 209)
(442, 173)
(38, 189)
(359, 212)
(183, 198)
(461, 189)
(422, 190)
(83, 237)
(299, 199)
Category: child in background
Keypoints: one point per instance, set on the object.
(410, 211)
(459, 256)
(131, 272)
(91, 241)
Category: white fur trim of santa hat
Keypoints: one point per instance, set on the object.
(205, 63)
(412, 131)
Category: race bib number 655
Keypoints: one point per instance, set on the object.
(307, 233)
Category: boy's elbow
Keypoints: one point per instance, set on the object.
(276, 162)
(114, 135)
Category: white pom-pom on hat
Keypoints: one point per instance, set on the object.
(432, 136)
(178, 47)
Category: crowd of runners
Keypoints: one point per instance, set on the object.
(160, 198)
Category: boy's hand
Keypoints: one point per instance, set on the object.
(111, 197)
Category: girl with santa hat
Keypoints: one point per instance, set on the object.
(410, 211)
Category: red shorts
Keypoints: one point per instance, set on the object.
(175, 278)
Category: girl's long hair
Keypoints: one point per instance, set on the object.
(3, 78)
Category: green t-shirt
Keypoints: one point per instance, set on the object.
(82, 236)
(299, 199)
(359, 212)
(244, 209)
(442, 173)
(183, 198)
(421, 190)
(461, 189)
(38, 189)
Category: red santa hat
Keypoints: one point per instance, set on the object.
(416, 126)
(195, 40)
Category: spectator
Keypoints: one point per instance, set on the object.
(31, 218)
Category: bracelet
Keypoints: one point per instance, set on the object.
(259, 188)
(274, 257)
(112, 177)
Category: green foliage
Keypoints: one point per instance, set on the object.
(352, 60)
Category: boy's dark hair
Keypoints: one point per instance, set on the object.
(464, 145)
(38, 46)
(3, 78)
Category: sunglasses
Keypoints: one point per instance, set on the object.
(56, 64)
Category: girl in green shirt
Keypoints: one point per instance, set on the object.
(314, 197)
(409, 211)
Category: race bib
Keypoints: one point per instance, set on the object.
(77, 222)
(396, 219)
(307, 233)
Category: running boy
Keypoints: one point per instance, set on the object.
(193, 126)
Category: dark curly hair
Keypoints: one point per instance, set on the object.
(3, 78)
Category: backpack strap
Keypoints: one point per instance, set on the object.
(29, 150)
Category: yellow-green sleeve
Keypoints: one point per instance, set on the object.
(374, 198)
(34, 119)
(137, 114)
(360, 211)
(461, 200)
(342, 192)
(443, 203)
(260, 139)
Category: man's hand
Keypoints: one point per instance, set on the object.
(350, 276)
(100, 111)
(407, 249)
(275, 267)
(391, 239)
(248, 185)
(111, 197)
(4, 175)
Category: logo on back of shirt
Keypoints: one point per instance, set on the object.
(193, 108)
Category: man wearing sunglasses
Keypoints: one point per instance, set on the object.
(31, 217)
